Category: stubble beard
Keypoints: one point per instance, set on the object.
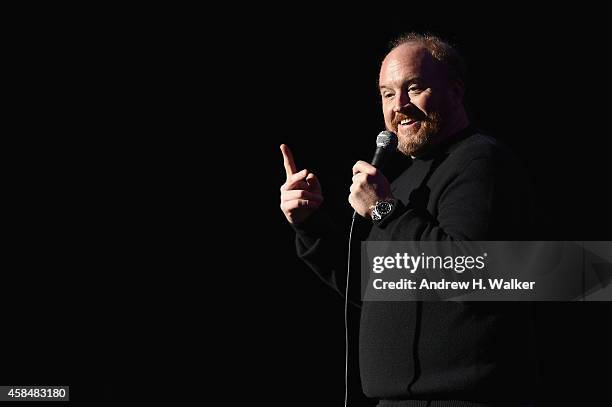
(415, 143)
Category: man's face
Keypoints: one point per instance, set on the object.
(415, 96)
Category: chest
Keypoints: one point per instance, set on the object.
(422, 184)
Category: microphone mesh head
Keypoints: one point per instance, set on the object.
(386, 139)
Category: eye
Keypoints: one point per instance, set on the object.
(387, 95)
(415, 89)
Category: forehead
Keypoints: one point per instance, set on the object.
(406, 62)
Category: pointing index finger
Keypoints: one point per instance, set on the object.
(288, 161)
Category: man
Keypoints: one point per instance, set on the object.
(456, 184)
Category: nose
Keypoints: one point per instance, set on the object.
(401, 101)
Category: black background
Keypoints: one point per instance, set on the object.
(145, 175)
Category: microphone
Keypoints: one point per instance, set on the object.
(386, 144)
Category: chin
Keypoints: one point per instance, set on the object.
(413, 144)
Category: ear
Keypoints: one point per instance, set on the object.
(456, 92)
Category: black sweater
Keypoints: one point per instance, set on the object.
(469, 188)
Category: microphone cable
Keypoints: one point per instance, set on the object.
(385, 141)
(346, 301)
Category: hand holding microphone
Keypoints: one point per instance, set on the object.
(369, 184)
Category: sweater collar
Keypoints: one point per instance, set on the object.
(447, 145)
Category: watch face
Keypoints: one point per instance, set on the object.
(384, 208)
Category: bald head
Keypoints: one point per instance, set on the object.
(413, 58)
(440, 50)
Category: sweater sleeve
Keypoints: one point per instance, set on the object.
(464, 209)
(320, 245)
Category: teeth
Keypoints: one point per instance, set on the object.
(405, 121)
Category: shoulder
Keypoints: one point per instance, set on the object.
(479, 146)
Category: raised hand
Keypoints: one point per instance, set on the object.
(301, 193)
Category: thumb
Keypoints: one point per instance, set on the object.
(313, 183)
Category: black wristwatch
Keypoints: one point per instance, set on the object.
(382, 208)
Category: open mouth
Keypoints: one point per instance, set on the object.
(408, 122)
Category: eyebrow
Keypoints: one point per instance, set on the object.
(407, 82)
